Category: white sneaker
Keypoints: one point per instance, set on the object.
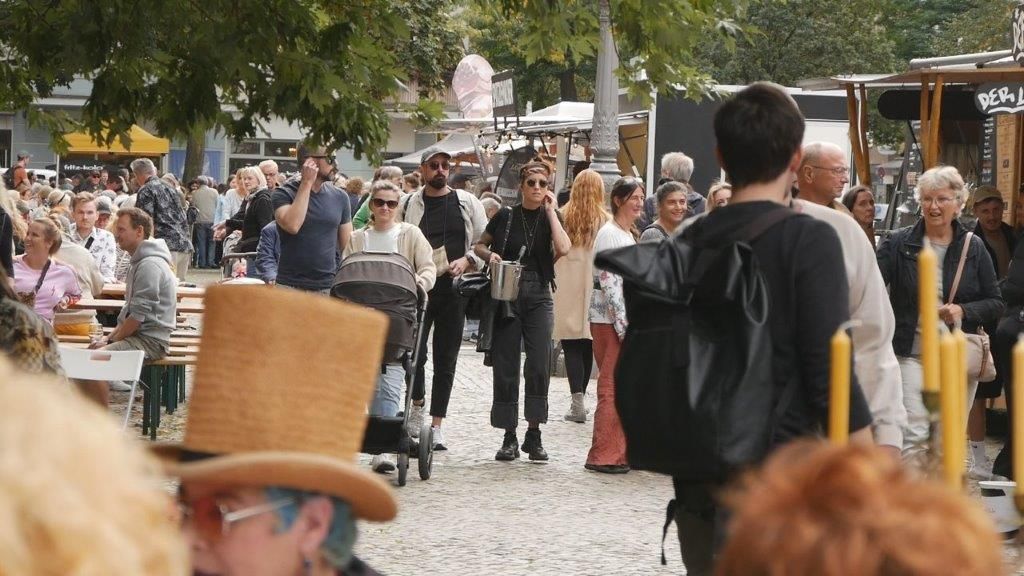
(438, 438)
(415, 420)
(979, 467)
(120, 386)
(382, 464)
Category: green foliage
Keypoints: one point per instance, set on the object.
(657, 37)
(328, 65)
(983, 27)
(914, 23)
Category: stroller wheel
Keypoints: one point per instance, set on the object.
(403, 468)
(426, 451)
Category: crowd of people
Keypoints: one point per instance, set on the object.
(302, 489)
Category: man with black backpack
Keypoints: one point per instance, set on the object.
(727, 352)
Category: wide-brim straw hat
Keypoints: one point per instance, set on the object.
(280, 396)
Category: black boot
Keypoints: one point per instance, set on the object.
(509, 447)
(532, 445)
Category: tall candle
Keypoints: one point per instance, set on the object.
(961, 381)
(928, 316)
(1018, 415)
(949, 410)
(839, 395)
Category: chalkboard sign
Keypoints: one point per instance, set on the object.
(503, 94)
(1000, 98)
(1018, 34)
(987, 157)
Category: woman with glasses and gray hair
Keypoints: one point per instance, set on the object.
(941, 193)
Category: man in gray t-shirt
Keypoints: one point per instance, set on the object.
(315, 223)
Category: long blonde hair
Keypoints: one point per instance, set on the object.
(585, 212)
(58, 511)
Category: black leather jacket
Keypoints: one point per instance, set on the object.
(978, 293)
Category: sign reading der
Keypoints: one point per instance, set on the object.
(1000, 98)
(503, 94)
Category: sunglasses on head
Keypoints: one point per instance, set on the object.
(536, 182)
(211, 520)
(380, 203)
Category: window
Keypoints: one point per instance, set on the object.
(248, 147)
(279, 148)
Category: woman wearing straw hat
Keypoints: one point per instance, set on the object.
(269, 482)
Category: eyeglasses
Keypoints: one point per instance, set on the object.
(532, 183)
(837, 171)
(439, 165)
(211, 519)
(938, 201)
(380, 203)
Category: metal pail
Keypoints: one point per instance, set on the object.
(505, 280)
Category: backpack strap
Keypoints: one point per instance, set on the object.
(763, 223)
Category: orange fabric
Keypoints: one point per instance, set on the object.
(608, 446)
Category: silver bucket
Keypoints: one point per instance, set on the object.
(505, 280)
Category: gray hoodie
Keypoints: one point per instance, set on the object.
(151, 291)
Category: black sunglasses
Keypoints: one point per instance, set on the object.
(380, 203)
(439, 165)
(533, 182)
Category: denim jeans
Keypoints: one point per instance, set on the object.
(205, 249)
(915, 435)
(387, 399)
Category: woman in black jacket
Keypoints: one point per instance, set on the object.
(1005, 337)
(257, 211)
(977, 301)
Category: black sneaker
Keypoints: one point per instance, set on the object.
(509, 448)
(532, 445)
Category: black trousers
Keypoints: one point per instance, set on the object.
(446, 314)
(579, 361)
(531, 326)
(701, 522)
(1003, 341)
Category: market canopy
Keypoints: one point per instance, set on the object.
(142, 143)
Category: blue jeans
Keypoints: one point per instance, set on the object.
(205, 249)
(388, 396)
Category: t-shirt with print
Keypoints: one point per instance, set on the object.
(60, 282)
(309, 259)
(443, 225)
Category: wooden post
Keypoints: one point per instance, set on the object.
(922, 138)
(935, 123)
(855, 143)
(865, 177)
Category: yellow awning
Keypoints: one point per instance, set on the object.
(143, 144)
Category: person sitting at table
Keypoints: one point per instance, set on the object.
(73, 321)
(256, 212)
(96, 240)
(26, 339)
(268, 252)
(148, 316)
(40, 282)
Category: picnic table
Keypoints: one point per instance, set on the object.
(118, 290)
(111, 305)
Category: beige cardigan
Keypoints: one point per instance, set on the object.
(574, 274)
(412, 244)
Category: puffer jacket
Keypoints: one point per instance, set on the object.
(978, 293)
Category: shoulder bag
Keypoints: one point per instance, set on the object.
(980, 365)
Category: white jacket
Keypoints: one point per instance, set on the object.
(875, 364)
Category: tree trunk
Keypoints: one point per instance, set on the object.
(195, 152)
(567, 85)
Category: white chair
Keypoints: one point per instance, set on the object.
(107, 365)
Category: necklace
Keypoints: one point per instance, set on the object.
(530, 235)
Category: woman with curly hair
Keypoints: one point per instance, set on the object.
(584, 214)
(58, 510)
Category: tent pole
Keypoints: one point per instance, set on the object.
(923, 142)
(852, 118)
(935, 123)
(864, 136)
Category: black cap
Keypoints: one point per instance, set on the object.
(431, 152)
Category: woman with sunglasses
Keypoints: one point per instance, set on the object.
(386, 234)
(608, 327)
(532, 233)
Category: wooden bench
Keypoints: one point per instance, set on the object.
(167, 378)
(108, 305)
(118, 291)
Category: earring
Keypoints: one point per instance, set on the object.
(307, 566)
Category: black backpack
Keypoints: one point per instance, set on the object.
(9, 178)
(693, 386)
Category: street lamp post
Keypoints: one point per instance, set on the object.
(604, 136)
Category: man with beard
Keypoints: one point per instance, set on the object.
(452, 220)
(314, 220)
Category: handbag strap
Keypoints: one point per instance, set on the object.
(508, 228)
(42, 276)
(960, 267)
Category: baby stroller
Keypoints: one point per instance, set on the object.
(386, 282)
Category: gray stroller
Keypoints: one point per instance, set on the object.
(386, 282)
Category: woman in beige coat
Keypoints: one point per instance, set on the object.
(584, 215)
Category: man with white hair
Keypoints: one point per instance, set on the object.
(163, 204)
(270, 172)
(823, 175)
(675, 167)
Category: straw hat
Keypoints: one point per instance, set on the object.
(280, 396)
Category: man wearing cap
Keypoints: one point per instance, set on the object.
(86, 233)
(314, 220)
(452, 220)
(104, 208)
(279, 494)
